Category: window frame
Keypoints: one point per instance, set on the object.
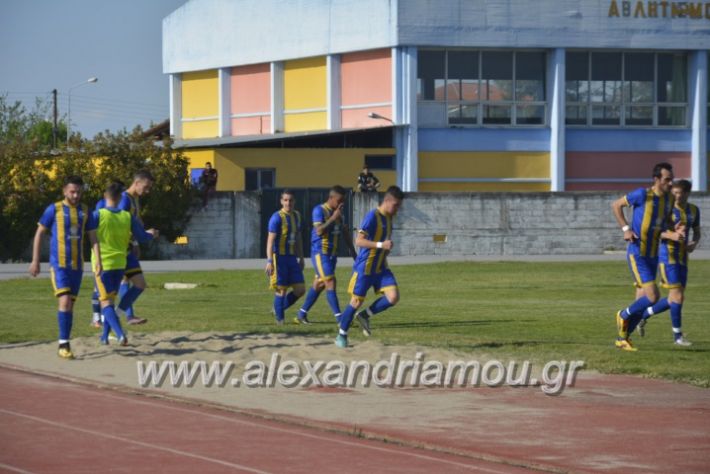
(625, 103)
(259, 172)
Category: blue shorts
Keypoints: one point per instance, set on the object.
(287, 272)
(674, 275)
(133, 265)
(65, 281)
(643, 269)
(324, 265)
(381, 282)
(108, 284)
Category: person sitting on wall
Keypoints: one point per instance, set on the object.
(367, 182)
(208, 183)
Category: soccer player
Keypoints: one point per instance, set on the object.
(67, 221)
(142, 184)
(651, 217)
(114, 229)
(328, 226)
(370, 269)
(674, 261)
(284, 256)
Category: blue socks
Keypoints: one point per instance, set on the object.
(122, 290)
(676, 309)
(333, 301)
(381, 304)
(660, 306)
(64, 319)
(289, 300)
(279, 307)
(128, 298)
(636, 308)
(111, 323)
(311, 298)
(346, 318)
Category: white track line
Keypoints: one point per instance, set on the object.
(126, 440)
(14, 469)
(313, 436)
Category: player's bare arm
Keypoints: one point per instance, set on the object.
(618, 209)
(334, 217)
(299, 250)
(363, 242)
(97, 251)
(35, 267)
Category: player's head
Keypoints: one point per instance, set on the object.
(288, 200)
(142, 182)
(365, 169)
(112, 194)
(681, 191)
(336, 196)
(208, 165)
(72, 189)
(663, 177)
(393, 200)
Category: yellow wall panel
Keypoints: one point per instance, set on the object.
(201, 129)
(200, 94)
(484, 187)
(484, 165)
(297, 168)
(305, 84)
(305, 122)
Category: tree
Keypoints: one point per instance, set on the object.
(31, 174)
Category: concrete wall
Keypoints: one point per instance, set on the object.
(468, 224)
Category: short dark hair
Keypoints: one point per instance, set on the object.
(208, 163)
(338, 189)
(73, 179)
(143, 175)
(683, 184)
(395, 192)
(287, 191)
(661, 166)
(114, 190)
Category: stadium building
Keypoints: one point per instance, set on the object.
(440, 95)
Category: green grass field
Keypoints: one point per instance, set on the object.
(535, 311)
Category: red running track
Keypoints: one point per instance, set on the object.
(51, 425)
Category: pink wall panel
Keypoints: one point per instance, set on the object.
(357, 118)
(251, 89)
(251, 125)
(366, 77)
(623, 165)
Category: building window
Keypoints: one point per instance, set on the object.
(626, 89)
(473, 88)
(380, 162)
(256, 179)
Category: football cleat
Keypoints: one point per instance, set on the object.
(65, 353)
(303, 320)
(682, 341)
(625, 344)
(364, 320)
(642, 327)
(341, 341)
(135, 320)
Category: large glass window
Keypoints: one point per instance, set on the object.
(626, 89)
(463, 87)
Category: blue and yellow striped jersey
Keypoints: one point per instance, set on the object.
(286, 226)
(67, 225)
(677, 252)
(376, 227)
(651, 216)
(327, 242)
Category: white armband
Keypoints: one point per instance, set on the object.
(379, 245)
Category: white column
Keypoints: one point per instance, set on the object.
(277, 97)
(556, 73)
(333, 91)
(225, 102)
(175, 106)
(404, 111)
(698, 100)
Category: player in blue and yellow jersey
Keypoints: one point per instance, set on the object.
(142, 184)
(67, 221)
(674, 261)
(650, 223)
(328, 227)
(114, 230)
(284, 255)
(370, 269)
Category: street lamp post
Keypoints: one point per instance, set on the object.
(90, 80)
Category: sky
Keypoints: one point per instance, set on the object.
(57, 44)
